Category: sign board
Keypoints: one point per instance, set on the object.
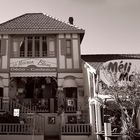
(33, 64)
(70, 102)
(16, 112)
(120, 70)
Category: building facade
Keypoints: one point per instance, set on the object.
(41, 70)
(102, 71)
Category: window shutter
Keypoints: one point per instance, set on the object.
(63, 46)
(3, 47)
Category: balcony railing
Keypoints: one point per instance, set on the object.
(76, 129)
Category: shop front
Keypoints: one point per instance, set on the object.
(33, 83)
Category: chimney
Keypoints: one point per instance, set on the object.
(71, 20)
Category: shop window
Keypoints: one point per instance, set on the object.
(68, 48)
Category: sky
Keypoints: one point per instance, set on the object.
(111, 26)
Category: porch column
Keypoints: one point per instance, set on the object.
(98, 119)
(107, 129)
(92, 120)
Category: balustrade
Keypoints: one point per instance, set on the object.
(15, 129)
(76, 129)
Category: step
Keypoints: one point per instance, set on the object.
(51, 137)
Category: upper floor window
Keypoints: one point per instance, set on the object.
(34, 46)
(44, 46)
(37, 47)
(68, 48)
(29, 47)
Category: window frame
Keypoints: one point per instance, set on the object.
(69, 48)
(36, 49)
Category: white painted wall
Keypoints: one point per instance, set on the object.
(61, 57)
(69, 63)
(76, 56)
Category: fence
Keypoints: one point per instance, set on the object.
(76, 129)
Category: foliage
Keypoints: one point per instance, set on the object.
(126, 95)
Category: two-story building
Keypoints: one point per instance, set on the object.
(41, 72)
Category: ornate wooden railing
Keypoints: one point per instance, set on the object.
(15, 129)
(76, 129)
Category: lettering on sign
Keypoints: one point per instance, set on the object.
(30, 69)
(123, 68)
(38, 62)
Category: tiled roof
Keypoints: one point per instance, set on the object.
(107, 57)
(37, 22)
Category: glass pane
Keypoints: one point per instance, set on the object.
(68, 48)
(29, 47)
(37, 46)
(44, 48)
(22, 48)
(51, 48)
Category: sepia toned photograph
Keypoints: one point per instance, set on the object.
(70, 70)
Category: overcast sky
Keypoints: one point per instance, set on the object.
(111, 26)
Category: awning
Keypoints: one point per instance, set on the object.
(33, 74)
(69, 82)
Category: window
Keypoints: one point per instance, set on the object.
(29, 47)
(51, 47)
(68, 48)
(22, 48)
(34, 46)
(44, 46)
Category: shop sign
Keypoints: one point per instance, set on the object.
(32, 69)
(38, 62)
(121, 70)
(16, 112)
